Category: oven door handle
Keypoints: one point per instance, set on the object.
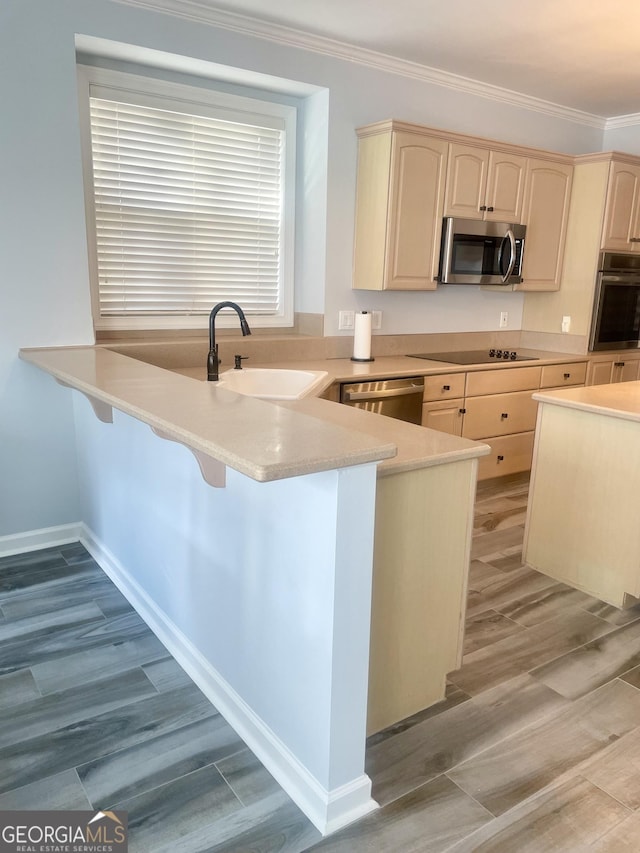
(348, 396)
(510, 236)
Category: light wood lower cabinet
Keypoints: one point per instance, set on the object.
(444, 415)
(563, 375)
(510, 454)
(498, 414)
(497, 409)
(622, 368)
(443, 406)
(424, 523)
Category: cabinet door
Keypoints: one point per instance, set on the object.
(414, 227)
(620, 231)
(444, 415)
(545, 213)
(627, 371)
(505, 187)
(600, 372)
(466, 181)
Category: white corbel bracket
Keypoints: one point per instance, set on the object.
(103, 411)
(213, 471)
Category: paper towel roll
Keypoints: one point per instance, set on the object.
(362, 337)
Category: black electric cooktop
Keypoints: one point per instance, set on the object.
(479, 356)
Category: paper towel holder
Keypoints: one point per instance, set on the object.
(360, 345)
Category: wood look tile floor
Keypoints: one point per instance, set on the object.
(535, 748)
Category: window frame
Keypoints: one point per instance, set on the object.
(205, 100)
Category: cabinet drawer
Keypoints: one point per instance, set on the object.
(499, 414)
(444, 386)
(444, 415)
(509, 455)
(558, 375)
(502, 381)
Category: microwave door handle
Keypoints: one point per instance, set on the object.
(512, 243)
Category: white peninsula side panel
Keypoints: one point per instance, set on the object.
(583, 519)
(261, 591)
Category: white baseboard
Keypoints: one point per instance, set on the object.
(327, 810)
(34, 540)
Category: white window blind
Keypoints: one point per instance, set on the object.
(188, 212)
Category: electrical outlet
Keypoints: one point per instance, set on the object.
(376, 320)
(504, 319)
(346, 320)
(566, 324)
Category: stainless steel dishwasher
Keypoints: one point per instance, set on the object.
(396, 398)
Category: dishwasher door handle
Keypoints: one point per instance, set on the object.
(382, 395)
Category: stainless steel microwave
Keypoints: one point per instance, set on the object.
(477, 252)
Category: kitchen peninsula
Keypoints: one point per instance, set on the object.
(255, 566)
(582, 522)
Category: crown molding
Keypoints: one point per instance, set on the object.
(203, 13)
(630, 120)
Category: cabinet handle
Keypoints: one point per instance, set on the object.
(490, 209)
(504, 415)
(567, 376)
(446, 387)
(484, 207)
(462, 411)
(500, 458)
(618, 364)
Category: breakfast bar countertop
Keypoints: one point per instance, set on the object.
(265, 440)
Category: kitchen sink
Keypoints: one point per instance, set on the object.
(272, 383)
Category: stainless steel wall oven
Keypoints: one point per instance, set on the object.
(616, 309)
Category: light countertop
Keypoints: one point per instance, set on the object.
(262, 439)
(388, 367)
(618, 400)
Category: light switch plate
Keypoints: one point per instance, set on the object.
(504, 319)
(346, 320)
(566, 324)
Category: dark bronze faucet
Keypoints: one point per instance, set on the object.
(213, 362)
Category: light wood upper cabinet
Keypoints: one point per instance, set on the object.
(621, 230)
(484, 184)
(466, 182)
(545, 213)
(410, 176)
(399, 209)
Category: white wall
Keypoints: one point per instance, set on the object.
(622, 139)
(43, 278)
(42, 239)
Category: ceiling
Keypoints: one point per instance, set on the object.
(572, 53)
